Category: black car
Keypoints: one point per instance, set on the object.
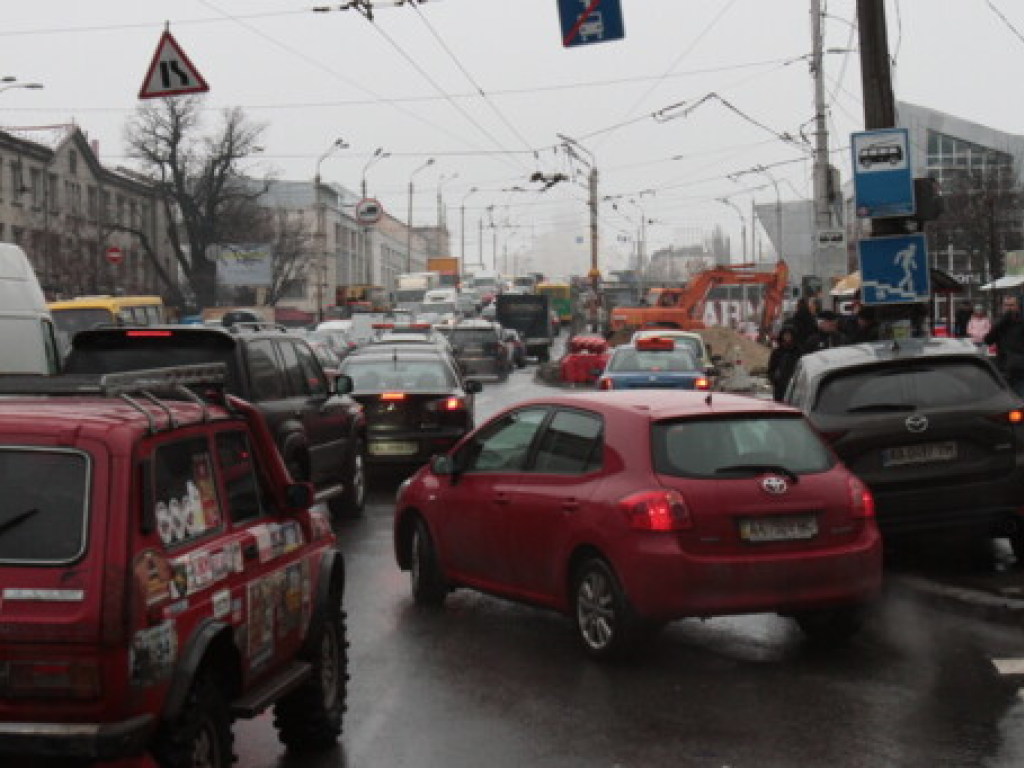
(319, 430)
(930, 426)
(416, 403)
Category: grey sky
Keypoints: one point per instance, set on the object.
(409, 82)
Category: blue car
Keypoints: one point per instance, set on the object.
(653, 363)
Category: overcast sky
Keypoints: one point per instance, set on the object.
(411, 82)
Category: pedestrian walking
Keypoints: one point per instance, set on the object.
(782, 362)
(803, 322)
(979, 325)
(866, 327)
(1008, 336)
(828, 336)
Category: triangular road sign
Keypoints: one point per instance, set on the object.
(171, 73)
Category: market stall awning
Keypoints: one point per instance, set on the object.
(942, 283)
(1003, 283)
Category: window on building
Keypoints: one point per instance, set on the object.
(120, 210)
(17, 182)
(294, 289)
(36, 183)
(92, 201)
(73, 162)
(51, 188)
(105, 210)
(133, 213)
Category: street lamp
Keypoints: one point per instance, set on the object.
(743, 222)
(444, 179)
(378, 154)
(408, 235)
(778, 207)
(321, 239)
(571, 145)
(462, 224)
(12, 82)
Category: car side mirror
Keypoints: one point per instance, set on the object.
(442, 464)
(473, 386)
(299, 496)
(343, 384)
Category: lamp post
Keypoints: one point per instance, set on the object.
(321, 266)
(365, 271)
(408, 231)
(462, 222)
(378, 154)
(743, 222)
(444, 179)
(12, 83)
(778, 208)
(571, 145)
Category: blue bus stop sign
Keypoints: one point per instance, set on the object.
(590, 21)
(894, 270)
(882, 180)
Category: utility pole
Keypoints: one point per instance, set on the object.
(822, 204)
(595, 272)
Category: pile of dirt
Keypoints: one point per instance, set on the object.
(724, 341)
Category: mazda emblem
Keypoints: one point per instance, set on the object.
(916, 423)
(774, 485)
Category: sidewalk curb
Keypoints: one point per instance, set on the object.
(969, 602)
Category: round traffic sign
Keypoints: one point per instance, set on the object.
(369, 211)
(114, 255)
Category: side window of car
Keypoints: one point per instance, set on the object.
(573, 443)
(264, 371)
(505, 445)
(245, 500)
(312, 373)
(185, 502)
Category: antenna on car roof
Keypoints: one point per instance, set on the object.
(707, 400)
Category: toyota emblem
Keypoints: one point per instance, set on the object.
(916, 423)
(774, 485)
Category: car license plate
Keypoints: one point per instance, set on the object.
(393, 448)
(925, 453)
(761, 529)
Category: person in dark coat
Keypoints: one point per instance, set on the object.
(1008, 336)
(866, 328)
(803, 323)
(782, 362)
(828, 335)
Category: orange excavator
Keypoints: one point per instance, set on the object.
(683, 308)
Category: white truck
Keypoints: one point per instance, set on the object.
(28, 339)
(412, 288)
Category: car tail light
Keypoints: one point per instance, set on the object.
(447, 404)
(392, 396)
(148, 334)
(862, 503)
(605, 383)
(50, 679)
(660, 510)
(1009, 417)
(702, 383)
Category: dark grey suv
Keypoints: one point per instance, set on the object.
(930, 426)
(318, 428)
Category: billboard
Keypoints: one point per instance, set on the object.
(243, 265)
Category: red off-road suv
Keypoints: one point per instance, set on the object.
(160, 575)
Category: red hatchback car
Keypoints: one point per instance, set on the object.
(627, 510)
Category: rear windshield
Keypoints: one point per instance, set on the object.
(725, 447)
(921, 384)
(463, 336)
(634, 360)
(398, 375)
(71, 321)
(116, 352)
(45, 500)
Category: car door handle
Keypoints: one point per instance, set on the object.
(570, 505)
(501, 498)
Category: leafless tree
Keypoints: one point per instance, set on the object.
(292, 252)
(206, 197)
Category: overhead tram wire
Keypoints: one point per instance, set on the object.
(323, 67)
(1005, 20)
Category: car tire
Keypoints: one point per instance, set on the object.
(831, 627)
(310, 718)
(604, 621)
(201, 733)
(352, 500)
(425, 577)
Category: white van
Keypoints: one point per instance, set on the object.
(28, 341)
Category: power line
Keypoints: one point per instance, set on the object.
(1005, 20)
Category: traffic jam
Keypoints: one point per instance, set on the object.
(291, 478)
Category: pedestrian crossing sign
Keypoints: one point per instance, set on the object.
(894, 270)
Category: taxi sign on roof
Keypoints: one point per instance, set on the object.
(171, 73)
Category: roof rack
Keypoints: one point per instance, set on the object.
(255, 327)
(145, 383)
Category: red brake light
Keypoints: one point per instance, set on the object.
(655, 343)
(702, 383)
(148, 334)
(1011, 417)
(454, 404)
(661, 510)
(862, 503)
(393, 396)
(605, 383)
(382, 326)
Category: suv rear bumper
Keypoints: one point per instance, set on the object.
(93, 741)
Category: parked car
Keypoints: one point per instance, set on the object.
(318, 428)
(627, 510)
(162, 575)
(416, 403)
(930, 426)
(479, 349)
(653, 363)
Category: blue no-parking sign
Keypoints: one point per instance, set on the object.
(894, 270)
(882, 180)
(590, 21)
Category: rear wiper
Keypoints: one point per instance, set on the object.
(18, 519)
(778, 469)
(881, 407)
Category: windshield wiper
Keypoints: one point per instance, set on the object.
(882, 407)
(18, 519)
(778, 469)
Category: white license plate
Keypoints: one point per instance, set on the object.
(761, 529)
(393, 448)
(925, 453)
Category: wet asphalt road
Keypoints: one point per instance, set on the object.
(488, 683)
